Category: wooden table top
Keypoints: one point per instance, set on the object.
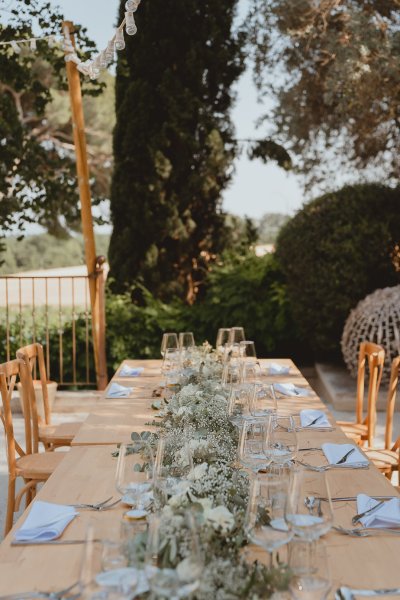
(87, 474)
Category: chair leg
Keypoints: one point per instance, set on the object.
(10, 506)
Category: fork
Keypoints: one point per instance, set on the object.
(334, 466)
(93, 506)
(345, 593)
(365, 531)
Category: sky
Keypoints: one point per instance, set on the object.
(256, 188)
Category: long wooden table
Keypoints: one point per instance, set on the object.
(87, 475)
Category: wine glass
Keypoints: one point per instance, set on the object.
(169, 340)
(236, 335)
(310, 517)
(251, 445)
(239, 405)
(265, 523)
(222, 339)
(173, 463)
(281, 439)
(263, 401)
(171, 575)
(171, 361)
(186, 340)
(309, 566)
(134, 475)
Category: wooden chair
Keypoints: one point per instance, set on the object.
(28, 464)
(51, 436)
(387, 459)
(363, 429)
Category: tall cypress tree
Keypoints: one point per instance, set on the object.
(173, 143)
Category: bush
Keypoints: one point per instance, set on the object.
(249, 292)
(336, 250)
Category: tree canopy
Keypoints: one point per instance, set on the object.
(37, 161)
(333, 67)
(173, 144)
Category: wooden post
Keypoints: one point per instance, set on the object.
(75, 94)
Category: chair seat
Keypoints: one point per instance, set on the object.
(354, 429)
(39, 466)
(59, 434)
(383, 459)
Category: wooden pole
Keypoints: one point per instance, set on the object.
(78, 124)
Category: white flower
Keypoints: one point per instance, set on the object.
(188, 570)
(220, 518)
(177, 500)
(198, 472)
(206, 503)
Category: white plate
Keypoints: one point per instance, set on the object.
(137, 514)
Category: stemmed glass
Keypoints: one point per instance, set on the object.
(232, 371)
(281, 439)
(171, 362)
(173, 463)
(169, 574)
(169, 340)
(310, 517)
(236, 335)
(186, 340)
(265, 523)
(134, 476)
(222, 339)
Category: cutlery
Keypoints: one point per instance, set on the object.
(314, 421)
(48, 543)
(358, 517)
(345, 457)
(365, 531)
(84, 505)
(306, 449)
(334, 466)
(345, 593)
(354, 498)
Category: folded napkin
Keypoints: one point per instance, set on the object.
(277, 369)
(118, 391)
(46, 521)
(387, 515)
(334, 452)
(289, 389)
(127, 371)
(307, 416)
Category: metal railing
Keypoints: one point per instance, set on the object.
(55, 311)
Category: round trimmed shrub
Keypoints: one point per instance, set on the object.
(335, 251)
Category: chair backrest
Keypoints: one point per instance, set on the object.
(9, 374)
(33, 356)
(391, 399)
(373, 355)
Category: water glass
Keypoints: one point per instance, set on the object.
(308, 562)
(173, 463)
(134, 475)
(251, 445)
(239, 405)
(263, 400)
(171, 361)
(310, 517)
(281, 439)
(172, 575)
(169, 340)
(113, 556)
(265, 523)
